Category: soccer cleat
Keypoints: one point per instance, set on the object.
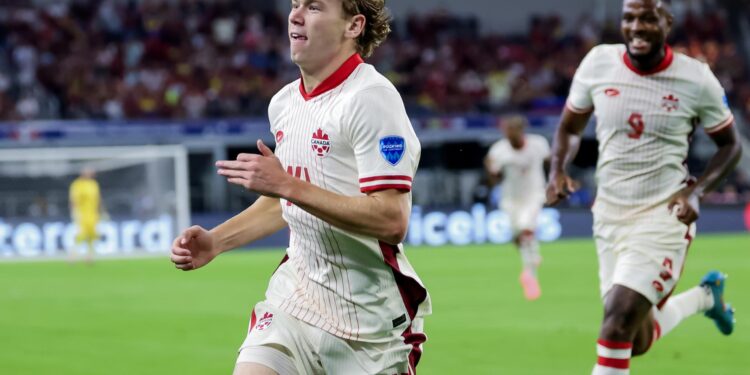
(722, 314)
(530, 285)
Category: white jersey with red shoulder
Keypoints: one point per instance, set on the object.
(522, 169)
(351, 136)
(644, 121)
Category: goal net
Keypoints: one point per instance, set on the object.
(144, 200)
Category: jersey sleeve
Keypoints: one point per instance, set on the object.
(495, 158)
(713, 108)
(386, 150)
(579, 98)
(543, 147)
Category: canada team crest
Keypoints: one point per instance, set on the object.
(264, 322)
(321, 145)
(670, 103)
(392, 148)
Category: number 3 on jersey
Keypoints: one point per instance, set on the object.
(636, 123)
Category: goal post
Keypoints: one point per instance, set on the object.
(144, 198)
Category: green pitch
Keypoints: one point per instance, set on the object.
(144, 317)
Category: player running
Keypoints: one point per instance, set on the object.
(517, 161)
(344, 300)
(648, 100)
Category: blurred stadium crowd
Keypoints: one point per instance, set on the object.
(106, 59)
(200, 59)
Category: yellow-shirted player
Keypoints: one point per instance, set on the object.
(85, 203)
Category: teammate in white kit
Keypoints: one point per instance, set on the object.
(648, 100)
(344, 299)
(517, 161)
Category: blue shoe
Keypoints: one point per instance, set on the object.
(722, 314)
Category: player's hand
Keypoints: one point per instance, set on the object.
(262, 173)
(559, 187)
(685, 205)
(193, 249)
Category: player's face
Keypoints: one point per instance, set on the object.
(317, 31)
(645, 25)
(514, 133)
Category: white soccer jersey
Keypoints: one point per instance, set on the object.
(351, 136)
(644, 122)
(523, 169)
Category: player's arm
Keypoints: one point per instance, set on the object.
(564, 149)
(719, 166)
(196, 246)
(494, 177)
(381, 214)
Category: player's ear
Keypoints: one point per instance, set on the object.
(355, 26)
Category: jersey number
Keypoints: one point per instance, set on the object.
(636, 123)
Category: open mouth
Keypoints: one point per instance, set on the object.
(297, 36)
(640, 44)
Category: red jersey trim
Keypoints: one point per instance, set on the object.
(401, 187)
(726, 123)
(376, 178)
(579, 111)
(663, 65)
(334, 80)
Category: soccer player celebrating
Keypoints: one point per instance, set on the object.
(85, 206)
(648, 100)
(518, 162)
(344, 300)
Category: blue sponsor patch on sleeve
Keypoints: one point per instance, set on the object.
(392, 148)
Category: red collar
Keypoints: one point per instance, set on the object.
(663, 65)
(335, 79)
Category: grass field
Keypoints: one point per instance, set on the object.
(144, 317)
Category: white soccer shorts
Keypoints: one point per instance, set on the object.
(290, 346)
(523, 215)
(645, 254)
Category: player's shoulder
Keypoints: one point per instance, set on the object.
(367, 82)
(282, 98)
(601, 57)
(690, 67)
(537, 139)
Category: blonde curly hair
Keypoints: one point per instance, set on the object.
(377, 23)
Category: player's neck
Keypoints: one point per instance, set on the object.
(648, 63)
(519, 144)
(312, 77)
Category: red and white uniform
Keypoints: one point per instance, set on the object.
(351, 136)
(644, 123)
(523, 179)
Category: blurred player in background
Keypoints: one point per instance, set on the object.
(648, 100)
(85, 208)
(517, 161)
(344, 299)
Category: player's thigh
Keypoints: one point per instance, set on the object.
(653, 257)
(605, 237)
(278, 341)
(243, 368)
(523, 216)
(397, 356)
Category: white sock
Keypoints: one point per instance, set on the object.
(613, 358)
(530, 257)
(679, 307)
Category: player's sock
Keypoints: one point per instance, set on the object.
(679, 307)
(614, 358)
(530, 257)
